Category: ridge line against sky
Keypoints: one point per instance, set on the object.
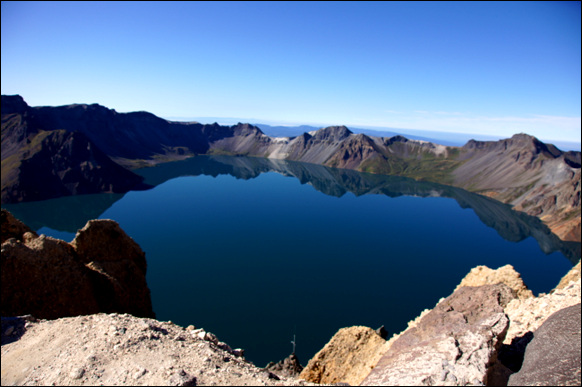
(491, 68)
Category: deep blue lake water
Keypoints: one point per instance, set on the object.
(257, 251)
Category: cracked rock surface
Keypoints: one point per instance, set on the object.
(454, 344)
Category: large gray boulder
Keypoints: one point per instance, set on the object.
(552, 358)
(454, 344)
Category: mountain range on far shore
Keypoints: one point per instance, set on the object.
(49, 152)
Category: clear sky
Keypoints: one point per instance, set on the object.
(495, 68)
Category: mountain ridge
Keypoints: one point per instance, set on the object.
(534, 177)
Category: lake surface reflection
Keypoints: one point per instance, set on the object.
(256, 257)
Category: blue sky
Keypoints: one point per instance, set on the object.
(494, 68)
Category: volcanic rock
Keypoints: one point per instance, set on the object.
(288, 367)
(572, 275)
(120, 349)
(482, 275)
(12, 227)
(347, 358)
(552, 358)
(102, 270)
(454, 344)
(527, 315)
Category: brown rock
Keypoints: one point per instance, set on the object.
(288, 367)
(102, 270)
(454, 344)
(482, 275)
(108, 250)
(348, 357)
(103, 240)
(43, 277)
(12, 227)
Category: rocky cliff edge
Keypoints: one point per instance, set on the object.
(101, 270)
(476, 336)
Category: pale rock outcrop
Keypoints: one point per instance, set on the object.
(102, 270)
(552, 358)
(454, 344)
(482, 275)
(348, 357)
(121, 350)
(527, 315)
(572, 275)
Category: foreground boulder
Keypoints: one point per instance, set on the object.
(552, 358)
(347, 358)
(527, 315)
(102, 270)
(12, 227)
(454, 344)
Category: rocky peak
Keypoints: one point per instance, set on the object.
(246, 129)
(13, 104)
(332, 133)
(520, 142)
(393, 139)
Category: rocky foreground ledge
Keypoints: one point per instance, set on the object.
(476, 336)
(120, 349)
(490, 331)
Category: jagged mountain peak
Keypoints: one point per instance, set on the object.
(13, 104)
(517, 142)
(332, 133)
(245, 129)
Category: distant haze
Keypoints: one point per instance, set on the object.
(271, 128)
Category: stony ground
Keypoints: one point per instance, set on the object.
(119, 349)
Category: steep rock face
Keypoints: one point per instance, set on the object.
(482, 275)
(313, 147)
(102, 270)
(240, 139)
(347, 358)
(552, 358)
(105, 248)
(454, 344)
(534, 177)
(123, 136)
(353, 152)
(60, 163)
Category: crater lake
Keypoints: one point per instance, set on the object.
(260, 251)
